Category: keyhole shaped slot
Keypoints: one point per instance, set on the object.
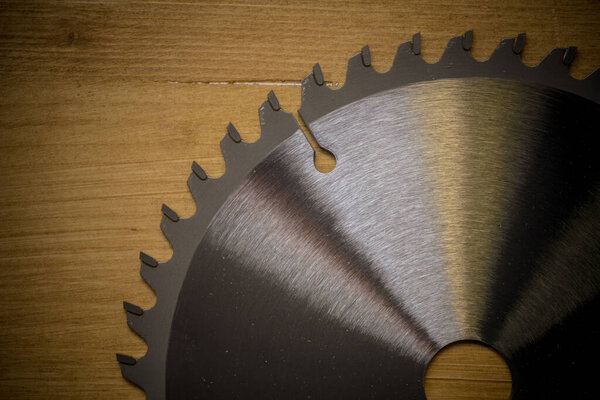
(324, 160)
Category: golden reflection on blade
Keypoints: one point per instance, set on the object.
(476, 162)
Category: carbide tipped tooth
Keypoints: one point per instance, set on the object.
(196, 187)
(313, 90)
(133, 370)
(358, 65)
(519, 43)
(457, 49)
(135, 318)
(318, 74)
(134, 322)
(169, 213)
(405, 55)
(266, 113)
(198, 171)
(168, 226)
(554, 60)
(125, 359)
(232, 146)
(151, 275)
(273, 101)
(233, 133)
(355, 67)
(148, 260)
(132, 308)
(504, 53)
(416, 43)
(366, 56)
(569, 55)
(272, 121)
(467, 40)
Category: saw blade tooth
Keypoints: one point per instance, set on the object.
(230, 144)
(317, 74)
(505, 47)
(313, 88)
(135, 318)
(233, 133)
(505, 55)
(358, 65)
(168, 224)
(195, 186)
(554, 61)
(132, 369)
(151, 275)
(233, 148)
(408, 57)
(266, 114)
(196, 180)
(275, 122)
(458, 50)
(313, 85)
(149, 270)
(273, 101)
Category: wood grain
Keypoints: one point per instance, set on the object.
(103, 107)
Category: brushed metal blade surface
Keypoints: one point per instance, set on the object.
(458, 209)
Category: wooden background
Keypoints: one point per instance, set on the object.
(103, 107)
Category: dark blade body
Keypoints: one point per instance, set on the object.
(459, 209)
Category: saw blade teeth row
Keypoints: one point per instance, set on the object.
(240, 158)
(456, 61)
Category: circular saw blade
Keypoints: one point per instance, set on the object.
(464, 205)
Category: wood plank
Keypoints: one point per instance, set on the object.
(264, 41)
(103, 107)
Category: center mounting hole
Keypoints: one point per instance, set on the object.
(467, 370)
